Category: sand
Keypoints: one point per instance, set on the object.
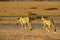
(28, 35)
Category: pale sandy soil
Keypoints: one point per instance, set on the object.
(28, 35)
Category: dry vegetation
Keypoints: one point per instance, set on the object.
(22, 8)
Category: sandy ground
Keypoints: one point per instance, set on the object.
(28, 35)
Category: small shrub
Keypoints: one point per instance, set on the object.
(33, 7)
(51, 9)
(0, 19)
(17, 23)
(38, 17)
(31, 13)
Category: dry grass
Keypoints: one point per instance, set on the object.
(22, 8)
